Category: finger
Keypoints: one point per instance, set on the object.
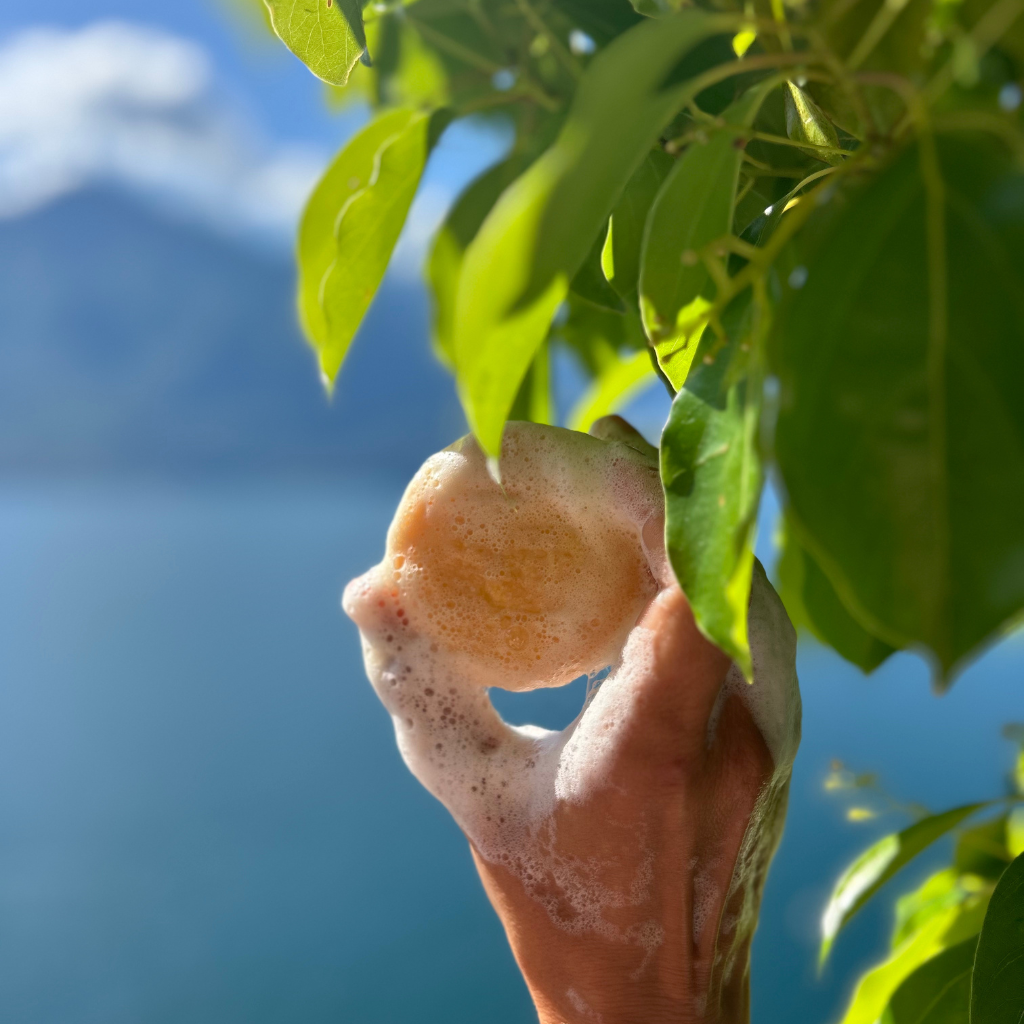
(675, 674)
(615, 428)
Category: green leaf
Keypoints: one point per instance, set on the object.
(938, 992)
(693, 208)
(620, 259)
(982, 850)
(518, 268)
(937, 894)
(997, 995)
(533, 402)
(812, 601)
(1015, 832)
(900, 433)
(712, 477)
(874, 990)
(590, 282)
(877, 864)
(351, 224)
(326, 36)
(459, 229)
(805, 122)
(618, 385)
(597, 335)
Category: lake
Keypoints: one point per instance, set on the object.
(203, 817)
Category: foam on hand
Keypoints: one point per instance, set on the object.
(531, 583)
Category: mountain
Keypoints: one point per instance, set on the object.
(134, 343)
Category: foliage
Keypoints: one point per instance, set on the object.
(827, 197)
(807, 218)
(957, 950)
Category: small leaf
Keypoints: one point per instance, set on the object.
(812, 601)
(590, 282)
(997, 995)
(937, 894)
(938, 992)
(326, 36)
(876, 987)
(518, 268)
(693, 208)
(620, 259)
(533, 402)
(712, 477)
(459, 229)
(1015, 832)
(351, 224)
(805, 122)
(877, 864)
(982, 851)
(618, 385)
(900, 432)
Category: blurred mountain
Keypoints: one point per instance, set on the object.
(133, 343)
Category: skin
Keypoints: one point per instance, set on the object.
(693, 803)
(672, 826)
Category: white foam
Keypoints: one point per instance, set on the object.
(433, 647)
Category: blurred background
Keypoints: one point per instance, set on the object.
(203, 816)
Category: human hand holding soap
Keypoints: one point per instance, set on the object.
(626, 853)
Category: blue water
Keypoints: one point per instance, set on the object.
(203, 817)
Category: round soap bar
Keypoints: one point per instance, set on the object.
(532, 582)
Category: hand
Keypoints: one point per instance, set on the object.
(625, 854)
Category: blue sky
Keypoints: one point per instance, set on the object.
(186, 104)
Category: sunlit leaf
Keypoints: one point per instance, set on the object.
(711, 472)
(533, 402)
(901, 431)
(351, 224)
(997, 995)
(982, 851)
(805, 122)
(459, 228)
(693, 208)
(1015, 832)
(590, 282)
(618, 385)
(937, 894)
(938, 992)
(874, 990)
(877, 864)
(812, 602)
(326, 35)
(518, 268)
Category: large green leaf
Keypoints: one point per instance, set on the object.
(351, 224)
(938, 992)
(518, 267)
(878, 863)
(459, 228)
(901, 427)
(620, 259)
(997, 995)
(712, 477)
(812, 602)
(693, 208)
(326, 36)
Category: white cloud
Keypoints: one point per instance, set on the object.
(139, 107)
